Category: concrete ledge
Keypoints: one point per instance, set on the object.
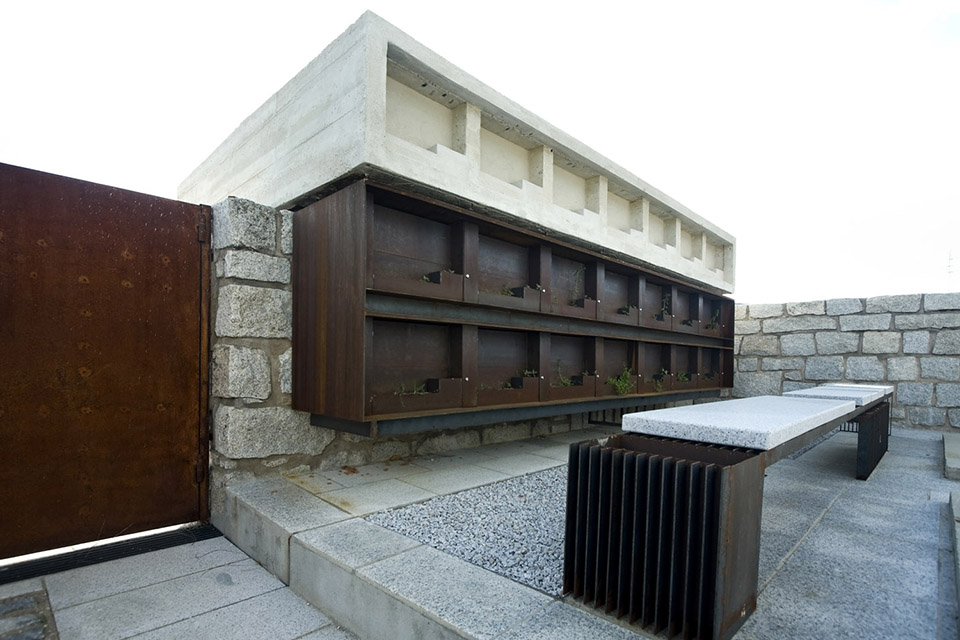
(955, 512)
(951, 456)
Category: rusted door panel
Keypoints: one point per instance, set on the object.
(102, 361)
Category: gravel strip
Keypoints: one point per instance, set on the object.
(514, 528)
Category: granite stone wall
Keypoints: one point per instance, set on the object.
(909, 341)
(254, 428)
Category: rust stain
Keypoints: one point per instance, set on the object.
(161, 407)
(85, 372)
(34, 275)
(347, 469)
(83, 280)
(43, 411)
(83, 346)
(86, 410)
(163, 258)
(167, 288)
(20, 258)
(126, 255)
(86, 313)
(126, 284)
(42, 243)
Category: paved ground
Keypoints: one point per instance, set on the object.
(840, 558)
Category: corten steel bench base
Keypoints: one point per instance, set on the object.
(665, 533)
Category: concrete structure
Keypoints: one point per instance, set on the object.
(375, 102)
(910, 342)
(754, 423)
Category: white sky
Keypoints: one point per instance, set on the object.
(825, 135)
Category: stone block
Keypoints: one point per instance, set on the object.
(954, 417)
(947, 342)
(797, 344)
(240, 372)
(928, 321)
(448, 441)
(250, 265)
(736, 344)
(286, 371)
(844, 306)
(242, 224)
(916, 342)
(897, 412)
(926, 417)
(814, 308)
(940, 368)
(505, 432)
(941, 301)
(793, 375)
(824, 368)
(739, 312)
(904, 368)
(286, 232)
(254, 312)
(765, 310)
(831, 343)
(267, 431)
(765, 383)
(881, 342)
(760, 345)
(915, 393)
(748, 364)
(743, 327)
(781, 364)
(864, 368)
(798, 323)
(878, 322)
(948, 395)
(899, 304)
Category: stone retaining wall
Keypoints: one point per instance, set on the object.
(909, 341)
(253, 425)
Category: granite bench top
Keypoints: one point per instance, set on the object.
(861, 394)
(762, 422)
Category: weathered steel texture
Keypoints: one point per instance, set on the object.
(102, 388)
(664, 533)
(872, 438)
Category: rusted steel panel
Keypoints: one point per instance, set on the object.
(102, 327)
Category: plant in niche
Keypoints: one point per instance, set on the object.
(625, 311)
(710, 375)
(658, 379)
(714, 320)
(418, 390)
(540, 289)
(623, 383)
(561, 379)
(683, 376)
(530, 373)
(507, 291)
(661, 315)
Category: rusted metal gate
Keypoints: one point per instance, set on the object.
(103, 359)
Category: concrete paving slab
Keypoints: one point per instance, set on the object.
(17, 588)
(290, 617)
(918, 523)
(951, 453)
(451, 459)
(267, 512)
(801, 605)
(329, 633)
(761, 422)
(314, 482)
(355, 543)
(561, 620)
(97, 581)
(128, 613)
(356, 476)
(520, 464)
(453, 479)
(376, 496)
(480, 603)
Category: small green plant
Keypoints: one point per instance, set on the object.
(661, 315)
(623, 383)
(687, 323)
(426, 278)
(540, 289)
(625, 311)
(530, 373)
(683, 376)
(658, 379)
(507, 291)
(419, 390)
(714, 320)
(564, 381)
